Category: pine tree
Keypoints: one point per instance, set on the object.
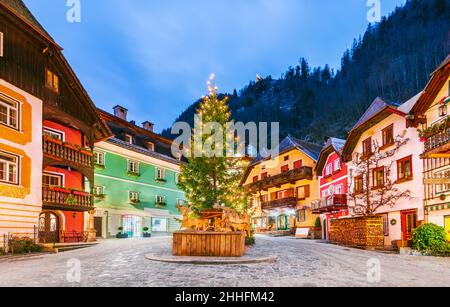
(212, 181)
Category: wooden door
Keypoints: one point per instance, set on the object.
(48, 228)
(98, 226)
(409, 223)
(447, 227)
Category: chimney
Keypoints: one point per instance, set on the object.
(120, 112)
(148, 126)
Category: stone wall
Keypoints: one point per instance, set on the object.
(358, 232)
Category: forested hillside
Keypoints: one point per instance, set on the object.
(392, 60)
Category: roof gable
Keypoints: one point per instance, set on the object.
(333, 145)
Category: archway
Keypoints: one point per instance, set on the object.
(49, 224)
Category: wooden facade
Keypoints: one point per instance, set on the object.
(209, 244)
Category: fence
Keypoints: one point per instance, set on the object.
(10, 236)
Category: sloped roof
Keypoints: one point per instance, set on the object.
(332, 144)
(407, 106)
(21, 11)
(312, 150)
(377, 105)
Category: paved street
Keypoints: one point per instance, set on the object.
(301, 263)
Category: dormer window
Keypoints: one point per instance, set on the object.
(52, 81)
(128, 139)
(151, 146)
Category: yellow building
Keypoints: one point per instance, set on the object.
(20, 161)
(283, 187)
(431, 116)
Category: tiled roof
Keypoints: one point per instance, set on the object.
(377, 105)
(337, 144)
(310, 149)
(21, 10)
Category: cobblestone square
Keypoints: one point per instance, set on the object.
(122, 263)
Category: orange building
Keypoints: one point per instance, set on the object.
(284, 187)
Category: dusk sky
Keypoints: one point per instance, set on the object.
(155, 56)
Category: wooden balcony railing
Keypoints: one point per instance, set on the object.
(60, 198)
(437, 140)
(67, 152)
(331, 204)
(289, 202)
(288, 177)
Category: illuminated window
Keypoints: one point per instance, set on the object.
(378, 177)
(52, 81)
(359, 184)
(388, 135)
(367, 147)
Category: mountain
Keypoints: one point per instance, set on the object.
(393, 60)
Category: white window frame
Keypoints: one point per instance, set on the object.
(328, 169)
(162, 198)
(8, 164)
(163, 172)
(136, 166)
(339, 189)
(177, 178)
(131, 139)
(97, 155)
(98, 188)
(11, 104)
(58, 175)
(337, 165)
(134, 196)
(60, 135)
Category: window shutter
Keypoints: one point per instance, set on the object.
(307, 191)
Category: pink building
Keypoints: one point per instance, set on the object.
(333, 184)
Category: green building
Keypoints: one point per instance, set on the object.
(135, 180)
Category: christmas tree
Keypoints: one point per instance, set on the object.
(212, 179)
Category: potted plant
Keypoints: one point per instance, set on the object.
(121, 235)
(146, 232)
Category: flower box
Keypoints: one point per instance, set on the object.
(60, 189)
(133, 174)
(81, 193)
(53, 140)
(161, 180)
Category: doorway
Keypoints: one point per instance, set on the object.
(325, 230)
(98, 226)
(48, 228)
(409, 224)
(447, 227)
(282, 222)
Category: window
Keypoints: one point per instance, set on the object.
(255, 179)
(337, 165)
(128, 138)
(367, 147)
(285, 194)
(151, 146)
(324, 194)
(133, 196)
(378, 177)
(388, 136)
(52, 81)
(159, 199)
(54, 134)
(338, 190)
(442, 187)
(264, 175)
(264, 198)
(359, 184)
(303, 192)
(160, 174)
(9, 168)
(301, 215)
(298, 164)
(404, 169)
(99, 190)
(285, 168)
(9, 112)
(52, 180)
(99, 158)
(133, 166)
(385, 225)
(286, 158)
(328, 170)
(1, 44)
(443, 111)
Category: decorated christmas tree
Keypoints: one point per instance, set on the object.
(211, 179)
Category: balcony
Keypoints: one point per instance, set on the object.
(289, 202)
(437, 143)
(65, 199)
(291, 176)
(332, 204)
(67, 153)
